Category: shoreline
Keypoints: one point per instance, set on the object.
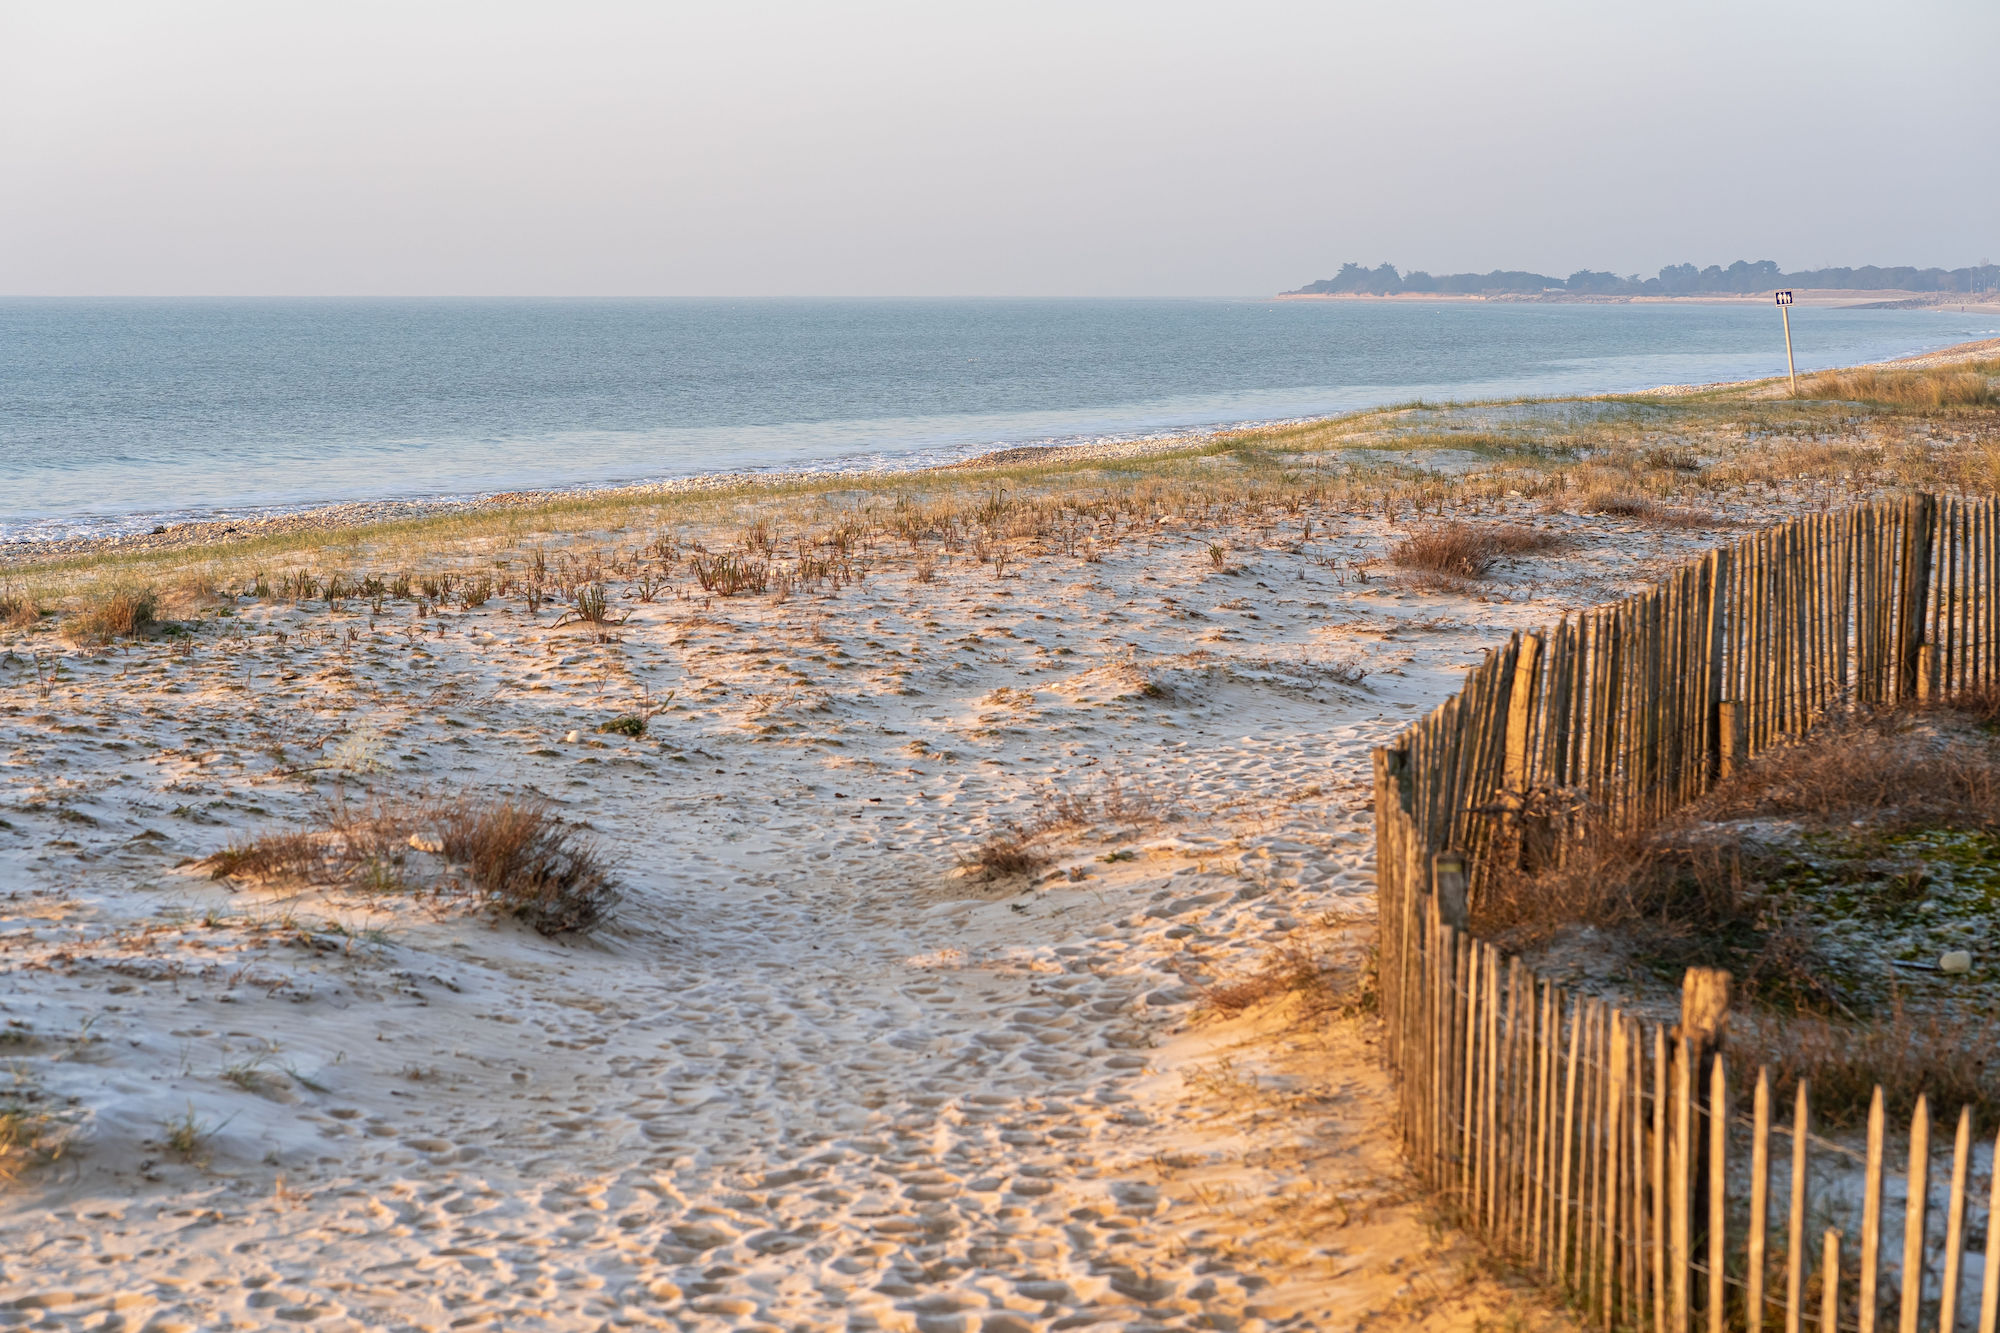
(1840, 298)
(356, 514)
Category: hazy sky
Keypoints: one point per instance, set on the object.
(947, 148)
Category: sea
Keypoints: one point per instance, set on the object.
(118, 415)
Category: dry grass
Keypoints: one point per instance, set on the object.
(1010, 849)
(1685, 894)
(1470, 550)
(19, 610)
(115, 612)
(1621, 505)
(511, 852)
(1923, 390)
(1108, 806)
(1887, 769)
(29, 1135)
(1949, 1058)
(1321, 981)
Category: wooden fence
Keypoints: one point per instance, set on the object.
(1602, 1151)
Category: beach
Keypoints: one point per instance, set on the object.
(991, 882)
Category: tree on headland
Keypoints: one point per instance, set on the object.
(1744, 277)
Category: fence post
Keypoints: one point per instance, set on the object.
(1920, 515)
(1730, 737)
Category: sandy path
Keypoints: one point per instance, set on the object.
(810, 1076)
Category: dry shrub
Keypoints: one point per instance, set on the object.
(1108, 802)
(28, 1135)
(1321, 982)
(1947, 1057)
(18, 610)
(289, 855)
(513, 852)
(527, 861)
(1468, 550)
(1939, 387)
(118, 612)
(1871, 766)
(1679, 901)
(1009, 850)
(1620, 505)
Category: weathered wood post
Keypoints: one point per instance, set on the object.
(1733, 738)
(1913, 595)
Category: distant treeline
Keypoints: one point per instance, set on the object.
(1740, 278)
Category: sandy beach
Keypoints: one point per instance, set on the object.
(821, 1065)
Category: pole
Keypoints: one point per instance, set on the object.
(1791, 367)
(1784, 300)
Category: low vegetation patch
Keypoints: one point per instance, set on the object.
(1833, 877)
(1619, 504)
(1932, 389)
(112, 613)
(514, 853)
(1469, 550)
(1107, 807)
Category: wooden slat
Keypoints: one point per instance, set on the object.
(1760, 1200)
(1659, 1182)
(1871, 1214)
(1829, 1281)
(1679, 1166)
(1989, 1296)
(1954, 1230)
(1614, 1142)
(1795, 1220)
(1565, 1268)
(1914, 1212)
(1718, 1193)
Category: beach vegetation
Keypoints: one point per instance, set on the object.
(513, 853)
(1931, 389)
(119, 611)
(1462, 551)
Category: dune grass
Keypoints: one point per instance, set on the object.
(1930, 390)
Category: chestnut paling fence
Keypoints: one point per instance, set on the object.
(1607, 1153)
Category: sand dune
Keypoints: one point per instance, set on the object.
(813, 1071)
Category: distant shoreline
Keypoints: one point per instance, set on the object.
(1842, 298)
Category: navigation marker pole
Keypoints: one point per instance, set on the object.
(1791, 368)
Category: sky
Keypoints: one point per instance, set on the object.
(948, 148)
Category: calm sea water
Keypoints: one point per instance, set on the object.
(119, 414)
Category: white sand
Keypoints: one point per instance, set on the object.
(809, 1075)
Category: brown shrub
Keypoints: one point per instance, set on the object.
(18, 610)
(1009, 850)
(1322, 982)
(1872, 766)
(115, 613)
(527, 861)
(290, 855)
(513, 852)
(1468, 550)
(1646, 510)
(1947, 1057)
